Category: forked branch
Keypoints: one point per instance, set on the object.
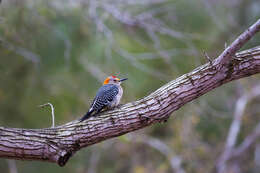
(58, 144)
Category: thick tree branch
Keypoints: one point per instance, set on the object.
(58, 144)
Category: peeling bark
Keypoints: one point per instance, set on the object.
(58, 144)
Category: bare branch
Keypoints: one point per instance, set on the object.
(152, 24)
(248, 142)
(140, 66)
(147, 21)
(28, 55)
(238, 43)
(212, 14)
(94, 70)
(58, 144)
(207, 57)
(235, 129)
(175, 160)
(52, 112)
(99, 22)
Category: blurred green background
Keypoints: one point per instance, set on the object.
(60, 52)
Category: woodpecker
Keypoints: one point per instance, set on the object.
(108, 96)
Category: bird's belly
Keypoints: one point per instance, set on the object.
(117, 99)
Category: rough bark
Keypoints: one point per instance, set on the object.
(58, 144)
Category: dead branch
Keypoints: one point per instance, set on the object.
(230, 150)
(58, 144)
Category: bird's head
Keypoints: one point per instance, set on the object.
(113, 80)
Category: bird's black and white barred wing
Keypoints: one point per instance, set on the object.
(105, 96)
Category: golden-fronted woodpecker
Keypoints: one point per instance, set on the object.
(108, 96)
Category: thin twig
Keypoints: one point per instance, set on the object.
(52, 112)
(207, 57)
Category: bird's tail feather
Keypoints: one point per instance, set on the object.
(86, 116)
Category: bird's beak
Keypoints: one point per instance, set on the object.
(121, 80)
